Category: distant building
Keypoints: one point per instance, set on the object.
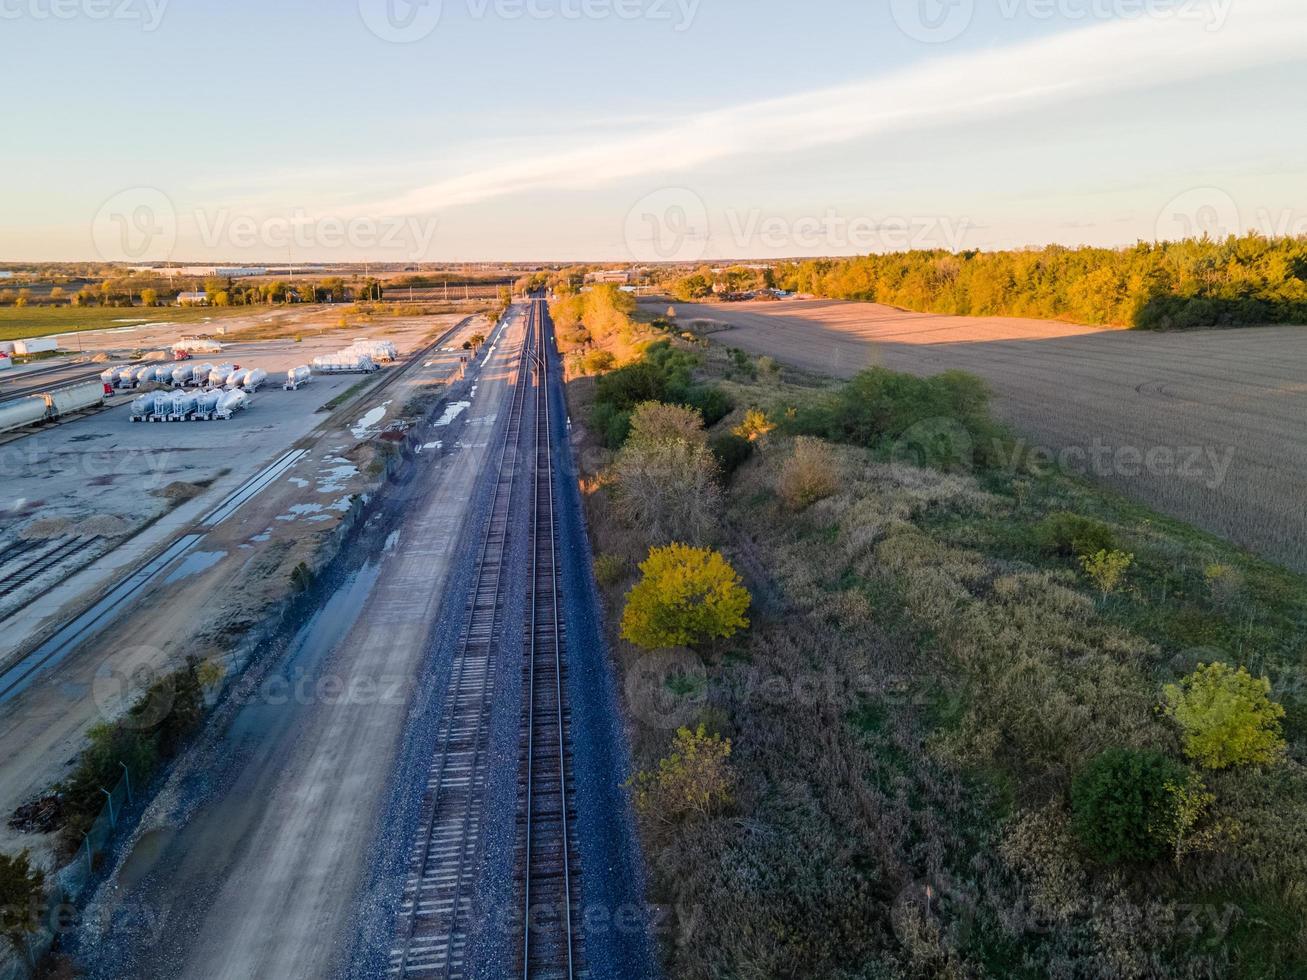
(193, 299)
(618, 277)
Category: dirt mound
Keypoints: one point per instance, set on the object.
(179, 490)
(100, 358)
(45, 528)
(103, 526)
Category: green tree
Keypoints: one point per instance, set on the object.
(655, 422)
(694, 780)
(1106, 569)
(1226, 716)
(22, 889)
(686, 595)
(1125, 807)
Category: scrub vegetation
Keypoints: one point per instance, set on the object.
(984, 720)
(1167, 285)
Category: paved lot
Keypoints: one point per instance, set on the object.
(1207, 426)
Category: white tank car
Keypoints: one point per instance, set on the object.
(141, 405)
(254, 379)
(236, 378)
(162, 405)
(163, 373)
(182, 374)
(206, 402)
(219, 375)
(144, 374)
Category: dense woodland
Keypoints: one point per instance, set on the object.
(1166, 285)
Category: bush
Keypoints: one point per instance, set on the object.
(1125, 807)
(612, 424)
(732, 452)
(810, 474)
(597, 361)
(1072, 535)
(609, 569)
(713, 403)
(693, 781)
(1227, 717)
(655, 422)
(754, 426)
(669, 490)
(686, 595)
(628, 386)
(1106, 569)
(22, 890)
(882, 409)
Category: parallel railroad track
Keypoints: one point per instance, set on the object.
(431, 935)
(546, 853)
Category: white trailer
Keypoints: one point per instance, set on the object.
(231, 403)
(206, 403)
(236, 379)
(37, 345)
(161, 407)
(141, 406)
(254, 379)
(298, 377)
(183, 406)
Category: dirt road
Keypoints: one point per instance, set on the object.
(1207, 426)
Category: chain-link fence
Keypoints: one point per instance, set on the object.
(69, 883)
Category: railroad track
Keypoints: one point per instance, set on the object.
(56, 550)
(435, 915)
(546, 851)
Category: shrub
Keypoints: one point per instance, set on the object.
(1072, 535)
(612, 424)
(713, 403)
(597, 361)
(655, 422)
(1106, 569)
(880, 407)
(1227, 717)
(693, 781)
(732, 452)
(669, 490)
(623, 389)
(609, 569)
(754, 426)
(686, 595)
(22, 890)
(810, 474)
(1124, 805)
(99, 769)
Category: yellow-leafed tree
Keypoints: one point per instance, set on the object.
(686, 596)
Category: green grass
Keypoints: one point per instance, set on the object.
(40, 321)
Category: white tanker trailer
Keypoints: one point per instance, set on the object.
(254, 379)
(298, 377)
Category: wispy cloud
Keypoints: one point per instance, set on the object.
(1114, 58)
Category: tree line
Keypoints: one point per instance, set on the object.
(1164, 285)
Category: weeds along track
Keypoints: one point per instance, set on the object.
(435, 914)
(546, 853)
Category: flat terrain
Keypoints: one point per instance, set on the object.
(1206, 426)
(253, 855)
(42, 321)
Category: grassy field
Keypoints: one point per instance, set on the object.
(1205, 426)
(925, 673)
(40, 321)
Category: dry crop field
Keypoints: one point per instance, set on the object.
(1208, 426)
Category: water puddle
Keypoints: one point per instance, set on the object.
(366, 426)
(193, 564)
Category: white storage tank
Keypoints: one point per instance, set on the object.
(232, 402)
(297, 377)
(206, 403)
(183, 404)
(254, 379)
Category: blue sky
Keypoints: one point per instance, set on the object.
(642, 129)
